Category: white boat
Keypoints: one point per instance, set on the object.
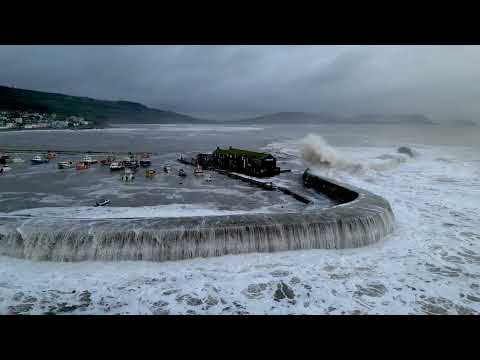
(102, 202)
(5, 169)
(116, 166)
(87, 159)
(198, 171)
(17, 160)
(128, 177)
(208, 178)
(65, 164)
(37, 159)
(167, 169)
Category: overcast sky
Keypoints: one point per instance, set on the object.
(233, 81)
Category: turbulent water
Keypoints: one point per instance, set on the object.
(429, 265)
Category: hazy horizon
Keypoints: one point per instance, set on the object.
(233, 82)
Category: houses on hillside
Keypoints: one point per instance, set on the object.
(33, 120)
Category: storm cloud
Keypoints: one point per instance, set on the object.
(235, 81)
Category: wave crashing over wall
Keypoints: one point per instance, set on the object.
(362, 219)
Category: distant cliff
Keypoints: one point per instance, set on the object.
(100, 112)
(329, 118)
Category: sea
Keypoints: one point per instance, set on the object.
(429, 265)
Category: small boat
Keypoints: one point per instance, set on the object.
(107, 161)
(102, 202)
(128, 177)
(150, 173)
(198, 171)
(208, 178)
(116, 166)
(82, 166)
(17, 160)
(131, 163)
(51, 155)
(145, 161)
(65, 164)
(37, 159)
(87, 159)
(182, 173)
(5, 169)
(167, 169)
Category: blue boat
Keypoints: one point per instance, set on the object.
(37, 159)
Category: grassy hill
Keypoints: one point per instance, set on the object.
(101, 112)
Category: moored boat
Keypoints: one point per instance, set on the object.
(17, 160)
(65, 164)
(82, 166)
(116, 166)
(150, 173)
(37, 159)
(4, 169)
(145, 161)
(102, 202)
(87, 159)
(51, 155)
(198, 171)
(107, 161)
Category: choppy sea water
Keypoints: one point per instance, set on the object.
(430, 265)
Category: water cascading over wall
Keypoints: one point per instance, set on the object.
(361, 219)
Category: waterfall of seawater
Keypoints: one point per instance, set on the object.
(362, 221)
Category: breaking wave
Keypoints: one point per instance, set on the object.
(318, 153)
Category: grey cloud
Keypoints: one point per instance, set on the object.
(223, 81)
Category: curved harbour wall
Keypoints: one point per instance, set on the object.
(362, 218)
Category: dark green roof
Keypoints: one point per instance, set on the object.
(241, 152)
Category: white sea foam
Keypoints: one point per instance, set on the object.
(430, 265)
(107, 212)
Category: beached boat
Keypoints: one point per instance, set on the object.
(116, 166)
(87, 159)
(4, 169)
(145, 161)
(128, 176)
(150, 173)
(107, 161)
(37, 159)
(51, 155)
(65, 164)
(82, 166)
(17, 160)
(102, 202)
(198, 171)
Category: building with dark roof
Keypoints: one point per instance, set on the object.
(245, 161)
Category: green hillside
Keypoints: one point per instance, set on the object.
(100, 112)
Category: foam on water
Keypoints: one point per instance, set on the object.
(429, 265)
